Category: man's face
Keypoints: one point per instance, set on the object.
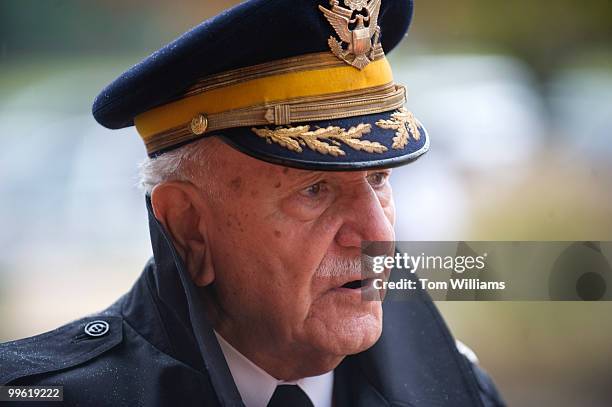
(283, 243)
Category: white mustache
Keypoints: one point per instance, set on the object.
(340, 266)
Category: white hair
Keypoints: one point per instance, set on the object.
(338, 266)
(191, 162)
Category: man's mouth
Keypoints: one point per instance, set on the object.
(359, 289)
(351, 277)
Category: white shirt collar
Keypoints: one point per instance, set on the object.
(256, 386)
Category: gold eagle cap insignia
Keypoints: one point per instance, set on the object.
(357, 27)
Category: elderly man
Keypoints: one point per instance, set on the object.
(271, 130)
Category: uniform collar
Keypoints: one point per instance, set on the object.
(183, 308)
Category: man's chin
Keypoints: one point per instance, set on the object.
(332, 349)
(344, 335)
(350, 341)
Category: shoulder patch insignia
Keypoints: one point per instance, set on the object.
(64, 347)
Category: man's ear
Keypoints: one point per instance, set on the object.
(180, 208)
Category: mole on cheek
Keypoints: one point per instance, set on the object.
(278, 184)
(254, 193)
(277, 233)
(236, 183)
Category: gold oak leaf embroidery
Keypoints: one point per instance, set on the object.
(322, 140)
(404, 124)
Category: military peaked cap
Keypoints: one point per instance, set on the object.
(302, 83)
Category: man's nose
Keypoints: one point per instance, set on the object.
(364, 219)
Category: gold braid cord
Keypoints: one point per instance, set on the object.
(322, 140)
(404, 124)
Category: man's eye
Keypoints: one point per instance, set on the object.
(378, 179)
(314, 190)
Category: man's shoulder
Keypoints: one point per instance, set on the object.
(101, 360)
(70, 345)
(489, 394)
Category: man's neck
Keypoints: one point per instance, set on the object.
(283, 362)
(256, 386)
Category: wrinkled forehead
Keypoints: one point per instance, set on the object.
(224, 168)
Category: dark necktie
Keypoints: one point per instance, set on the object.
(289, 395)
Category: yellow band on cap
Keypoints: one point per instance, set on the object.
(258, 91)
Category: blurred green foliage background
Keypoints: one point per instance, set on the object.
(517, 97)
